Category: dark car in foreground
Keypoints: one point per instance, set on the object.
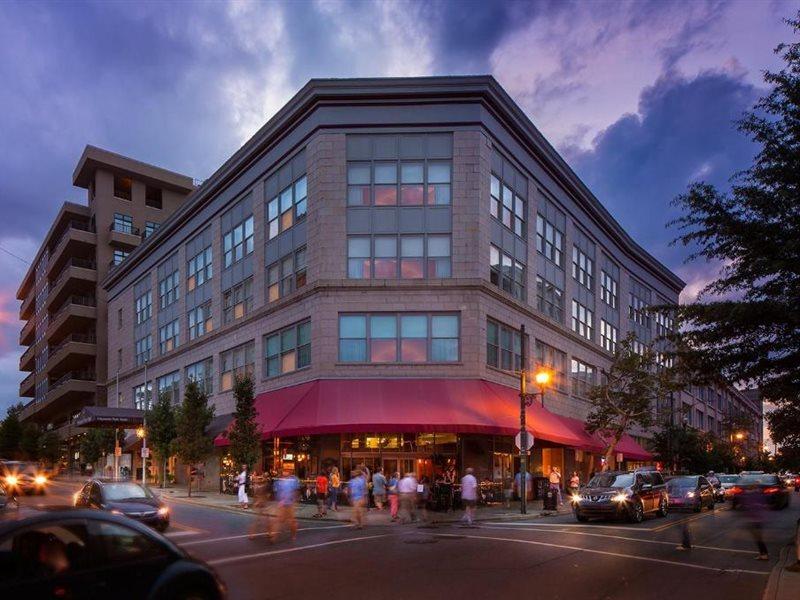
(23, 477)
(124, 498)
(88, 554)
(620, 494)
(690, 491)
(772, 489)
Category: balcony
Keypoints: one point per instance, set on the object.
(70, 384)
(27, 333)
(27, 389)
(27, 306)
(67, 395)
(76, 314)
(124, 236)
(78, 276)
(27, 362)
(77, 239)
(74, 352)
(68, 430)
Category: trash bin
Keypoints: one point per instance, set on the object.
(551, 500)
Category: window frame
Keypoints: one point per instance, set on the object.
(582, 268)
(244, 291)
(501, 351)
(546, 293)
(429, 189)
(195, 330)
(246, 245)
(581, 385)
(517, 217)
(195, 267)
(146, 306)
(169, 336)
(169, 289)
(582, 321)
(295, 350)
(552, 250)
(286, 283)
(206, 383)
(247, 368)
(428, 262)
(498, 275)
(143, 346)
(297, 207)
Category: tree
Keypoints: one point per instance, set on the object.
(11, 432)
(244, 436)
(161, 432)
(627, 395)
(743, 324)
(50, 447)
(192, 418)
(784, 428)
(29, 441)
(95, 443)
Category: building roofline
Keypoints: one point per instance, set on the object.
(483, 88)
(94, 157)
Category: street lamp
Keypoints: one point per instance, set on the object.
(739, 436)
(542, 378)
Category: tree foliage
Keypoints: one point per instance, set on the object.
(628, 394)
(50, 447)
(192, 418)
(29, 441)
(11, 432)
(784, 428)
(745, 324)
(244, 436)
(687, 450)
(161, 432)
(96, 443)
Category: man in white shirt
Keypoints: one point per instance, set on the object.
(469, 496)
(241, 481)
(407, 489)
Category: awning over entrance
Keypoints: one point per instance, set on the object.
(415, 405)
(109, 416)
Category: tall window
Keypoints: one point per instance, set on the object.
(549, 240)
(582, 320)
(286, 275)
(664, 323)
(150, 228)
(236, 361)
(506, 273)
(170, 386)
(507, 206)
(608, 336)
(389, 183)
(169, 336)
(288, 349)
(119, 256)
(238, 242)
(143, 397)
(393, 337)
(637, 311)
(237, 301)
(143, 348)
(169, 289)
(582, 268)
(202, 373)
(144, 307)
(399, 256)
(554, 360)
(122, 187)
(583, 378)
(608, 289)
(153, 197)
(123, 223)
(503, 346)
(200, 320)
(549, 299)
(288, 207)
(199, 269)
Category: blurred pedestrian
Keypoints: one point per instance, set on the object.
(286, 495)
(423, 496)
(321, 491)
(392, 494)
(241, 482)
(523, 488)
(753, 505)
(508, 491)
(379, 488)
(407, 488)
(258, 483)
(574, 484)
(555, 483)
(686, 537)
(357, 490)
(334, 487)
(469, 496)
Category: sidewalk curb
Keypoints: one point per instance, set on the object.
(782, 584)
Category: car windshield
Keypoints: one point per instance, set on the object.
(612, 480)
(728, 478)
(758, 479)
(682, 482)
(125, 491)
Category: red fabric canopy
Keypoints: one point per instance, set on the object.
(412, 405)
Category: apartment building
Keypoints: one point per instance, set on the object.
(63, 306)
(369, 257)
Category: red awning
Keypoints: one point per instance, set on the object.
(409, 405)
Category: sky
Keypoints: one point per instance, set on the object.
(639, 97)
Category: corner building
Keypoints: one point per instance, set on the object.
(368, 257)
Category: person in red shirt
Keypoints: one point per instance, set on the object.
(322, 494)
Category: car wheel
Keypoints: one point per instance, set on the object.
(581, 518)
(711, 504)
(637, 513)
(698, 506)
(663, 507)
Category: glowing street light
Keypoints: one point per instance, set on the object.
(542, 378)
(140, 433)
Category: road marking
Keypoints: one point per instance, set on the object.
(689, 519)
(620, 537)
(174, 534)
(607, 553)
(576, 525)
(229, 559)
(247, 535)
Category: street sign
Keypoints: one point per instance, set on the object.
(145, 452)
(525, 444)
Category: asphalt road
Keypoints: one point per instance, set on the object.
(552, 557)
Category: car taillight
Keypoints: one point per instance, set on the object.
(736, 490)
(772, 490)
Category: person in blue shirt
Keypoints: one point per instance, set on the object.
(357, 491)
(528, 484)
(285, 491)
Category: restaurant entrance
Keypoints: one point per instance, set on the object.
(424, 454)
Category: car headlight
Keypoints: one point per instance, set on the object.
(40, 480)
(11, 480)
(163, 511)
(690, 494)
(114, 511)
(75, 497)
(620, 498)
(576, 498)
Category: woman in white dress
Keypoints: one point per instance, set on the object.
(241, 481)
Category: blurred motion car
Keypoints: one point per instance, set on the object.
(690, 491)
(618, 494)
(727, 482)
(772, 489)
(126, 498)
(23, 477)
(88, 554)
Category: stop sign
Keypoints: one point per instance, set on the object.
(524, 442)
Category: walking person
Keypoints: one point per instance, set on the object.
(260, 489)
(241, 482)
(469, 496)
(392, 494)
(379, 488)
(423, 496)
(334, 487)
(321, 490)
(407, 487)
(357, 489)
(574, 484)
(555, 483)
(286, 489)
(754, 507)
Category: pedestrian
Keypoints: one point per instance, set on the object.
(260, 489)
(686, 537)
(523, 488)
(335, 485)
(286, 495)
(379, 488)
(423, 496)
(555, 483)
(392, 494)
(368, 480)
(754, 507)
(469, 496)
(322, 493)
(357, 489)
(574, 484)
(407, 488)
(241, 482)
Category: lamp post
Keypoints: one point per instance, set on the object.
(144, 427)
(526, 399)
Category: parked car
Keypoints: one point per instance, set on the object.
(124, 498)
(87, 554)
(773, 489)
(23, 477)
(618, 494)
(690, 491)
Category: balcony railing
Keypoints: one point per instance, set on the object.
(83, 263)
(72, 376)
(71, 225)
(83, 338)
(27, 380)
(80, 300)
(122, 228)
